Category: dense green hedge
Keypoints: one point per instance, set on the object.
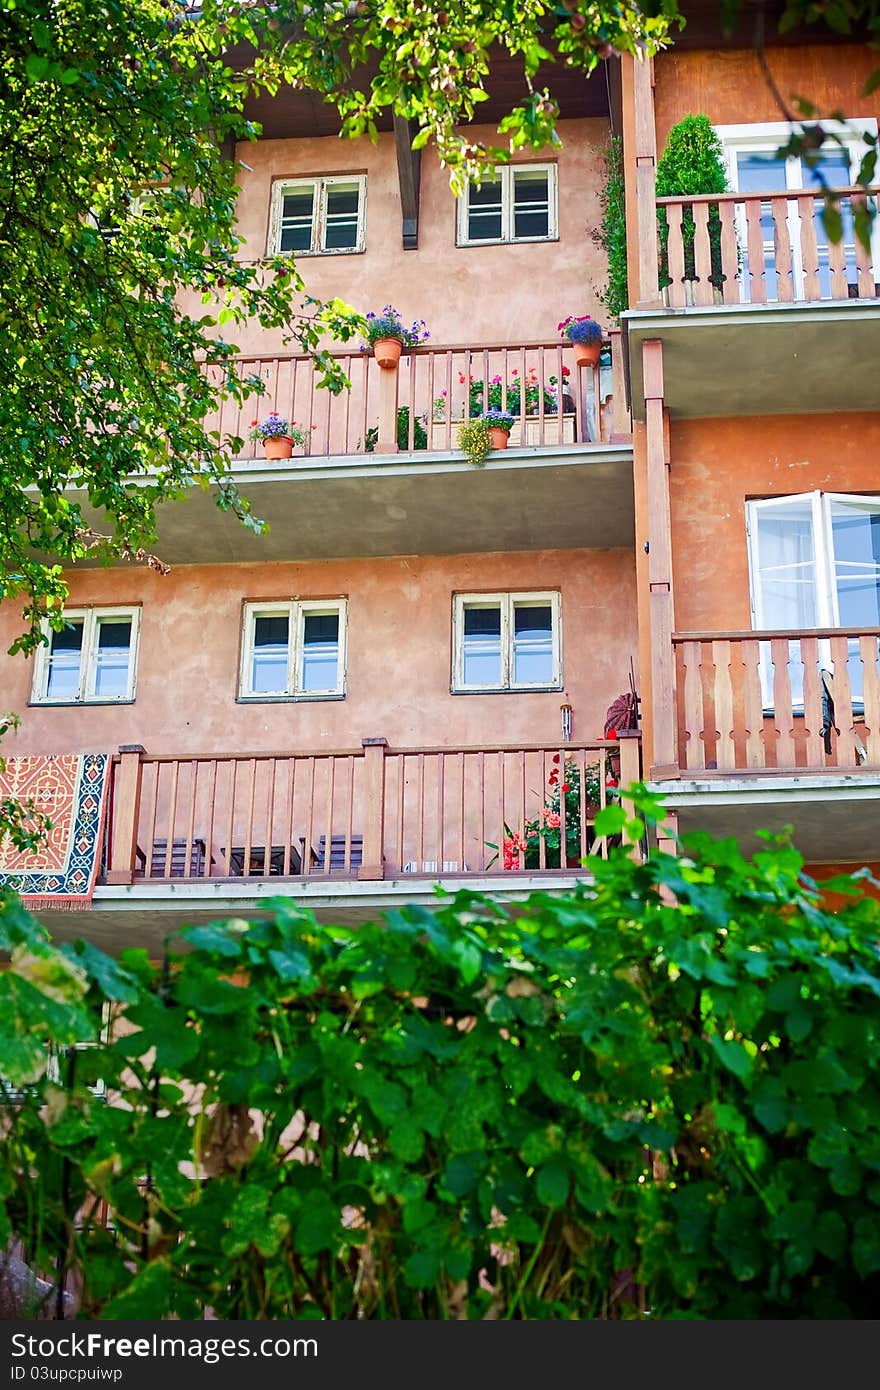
(611, 233)
(599, 1104)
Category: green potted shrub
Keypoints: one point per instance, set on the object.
(692, 163)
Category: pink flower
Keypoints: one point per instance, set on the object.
(566, 786)
(566, 371)
(611, 782)
(551, 818)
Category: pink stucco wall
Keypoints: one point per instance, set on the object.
(399, 640)
(481, 294)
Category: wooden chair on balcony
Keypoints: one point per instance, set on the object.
(336, 865)
(256, 861)
(179, 868)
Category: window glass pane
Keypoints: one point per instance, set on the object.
(320, 662)
(65, 653)
(484, 212)
(269, 661)
(532, 644)
(761, 172)
(112, 655)
(341, 232)
(856, 535)
(297, 211)
(531, 203)
(833, 167)
(481, 645)
(787, 566)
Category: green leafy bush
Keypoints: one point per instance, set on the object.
(692, 162)
(611, 233)
(602, 1104)
(420, 433)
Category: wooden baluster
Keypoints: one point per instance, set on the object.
(373, 854)
(401, 779)
(782, 703)
(209, 837)
(695, 750)
(809, 247)
(703, 289)
(814, 748)
(755, 244)
(230, 818)
(782, 250)
(864, 264)
(330, 764)
(127, 783)
(725, 749)
(151, 820)
(675, 256)
(269, 834)
(729, 252)
(288, 817)
(346, 436)
(441, 810)
(868, 648)
(461, 762)
(309, 866)
(837, 264)
(367, 375)
(190, 828)
(249, 825)
(172, 816)
(843, 710)
(481, 799)
(583, 847)
(753, 705)
(349, 822)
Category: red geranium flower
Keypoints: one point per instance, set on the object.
(612, 733)
(566, 786)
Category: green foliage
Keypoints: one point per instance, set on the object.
(603, 1104)
(692, 162)
(420, 434)
(611, 233)
(474, 441)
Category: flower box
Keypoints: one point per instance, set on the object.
(533, 433)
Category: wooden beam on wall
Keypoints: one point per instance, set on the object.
(409, 168)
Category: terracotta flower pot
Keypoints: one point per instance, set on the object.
(280, 446)
(586, 354)
(498, 438)
(387, 352)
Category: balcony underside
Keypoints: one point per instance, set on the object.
(525, 498)
(836, 819)
(142, 914)
(761, 359)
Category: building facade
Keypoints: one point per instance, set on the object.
(413, 668)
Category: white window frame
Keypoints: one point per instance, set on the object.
(506, 174)
(320, 184)
(296, 611)
(91, 617)
(827, 600)
(507, 602)
(768, 137)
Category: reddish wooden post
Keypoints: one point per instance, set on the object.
(126, 807)
(387, 440)
(664, 762)
(373, 856)
(630, 760)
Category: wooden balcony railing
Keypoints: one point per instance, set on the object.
(731, 248)
(752, 702)
(365, 813)
(421, 404)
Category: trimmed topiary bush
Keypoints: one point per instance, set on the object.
(692, 162)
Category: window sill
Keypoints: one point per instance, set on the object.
(506, 690)
(339, 251)
(513, 241)
(78, 704)
(289, 699)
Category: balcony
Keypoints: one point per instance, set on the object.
(384, 475)
(761, 310)
(777, 727)
(349, 832)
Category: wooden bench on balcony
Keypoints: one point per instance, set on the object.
(175, 866)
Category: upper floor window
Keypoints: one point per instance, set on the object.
(815, 563)
(91, 660)
(754, 166)
(507, 642)
(319, 216)
(519, 204)
(293, 649)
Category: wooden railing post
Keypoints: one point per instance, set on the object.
(387, 440)
(373, 860)
(126, 810)
(630, 759)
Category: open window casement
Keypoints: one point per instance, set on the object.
(814, 562)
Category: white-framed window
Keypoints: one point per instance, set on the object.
(92, 660)
(319, 216)
(518, 204)
(507, 641)
(814, 562)
(753, 166)
(293, 649)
